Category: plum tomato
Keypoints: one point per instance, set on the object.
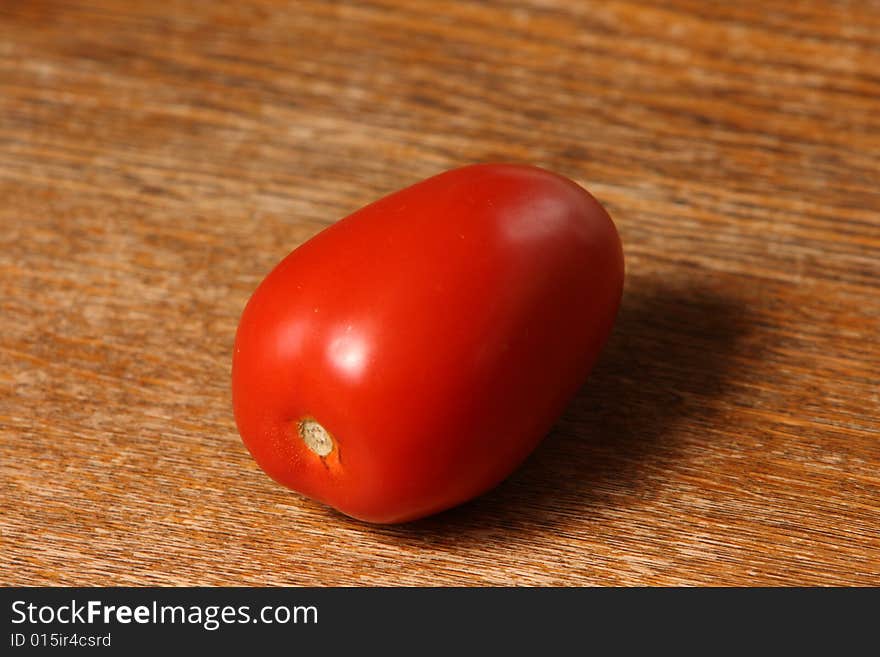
(410, 356)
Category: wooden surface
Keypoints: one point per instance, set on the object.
(157, 159)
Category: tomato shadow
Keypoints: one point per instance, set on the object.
(661, 378)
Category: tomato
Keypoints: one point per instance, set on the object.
(410, 356)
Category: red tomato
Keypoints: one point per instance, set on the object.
(410, 356)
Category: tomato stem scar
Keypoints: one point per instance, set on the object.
(316, 437)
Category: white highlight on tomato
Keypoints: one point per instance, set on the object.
(348, 352)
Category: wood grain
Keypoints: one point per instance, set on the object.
(156, 159)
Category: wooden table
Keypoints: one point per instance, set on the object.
(157, 159)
